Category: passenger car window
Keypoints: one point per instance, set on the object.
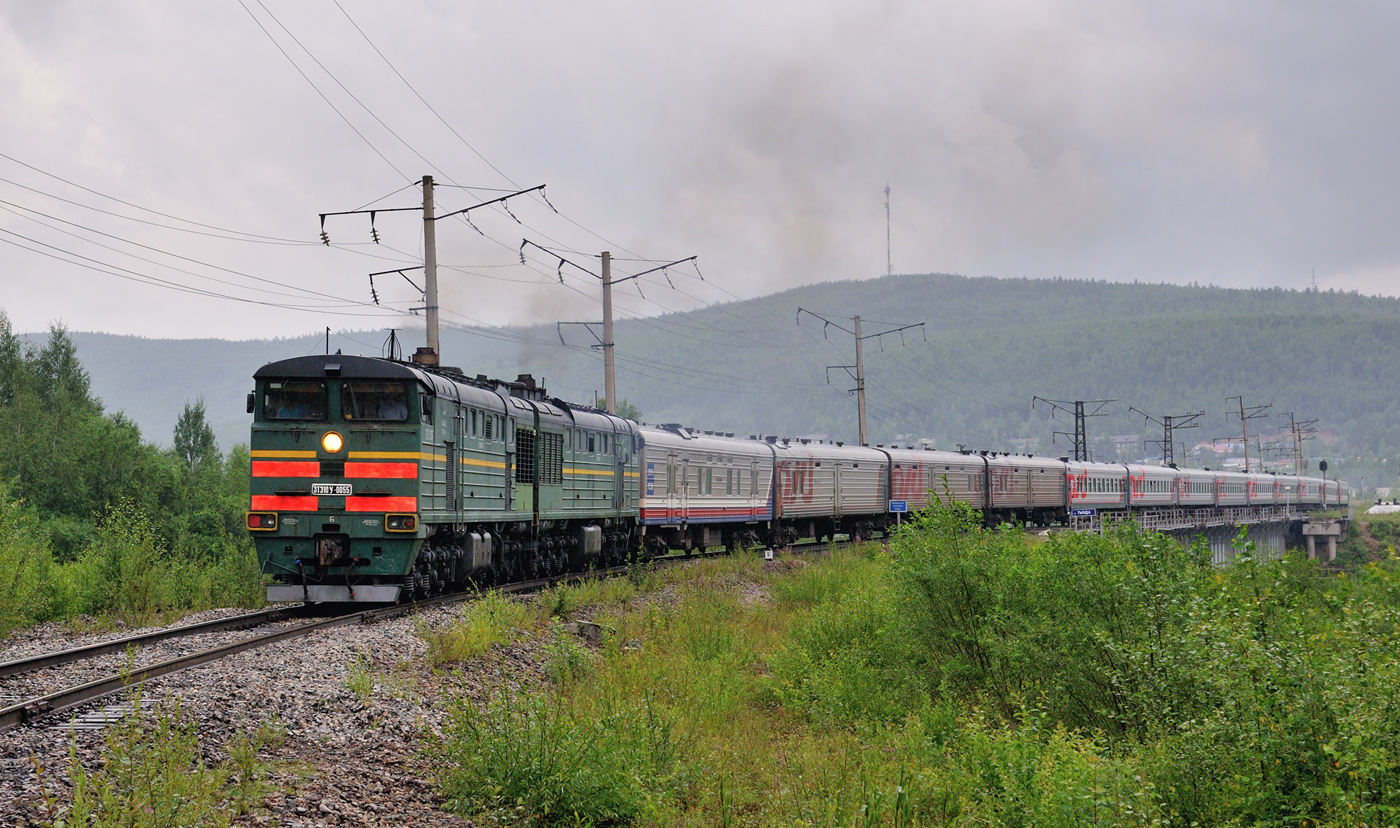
(294, 400)
(373, 400)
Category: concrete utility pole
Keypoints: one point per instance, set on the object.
(430, 284)
(859, 367)
(1253, 412)
(428, 355)
(609, 377)
(889, 260)
(606, 341)
(1300, 430)
(860, 385)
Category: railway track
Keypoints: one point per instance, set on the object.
(60, 657)
(40, 707)
(50, 704)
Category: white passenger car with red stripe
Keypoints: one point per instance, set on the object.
(701, 490)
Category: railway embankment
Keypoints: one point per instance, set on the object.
(960, 674)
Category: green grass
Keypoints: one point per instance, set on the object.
(965, 677)
(491, 620)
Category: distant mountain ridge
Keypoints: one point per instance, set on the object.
(967, 378)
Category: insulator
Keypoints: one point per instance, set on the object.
(325, 239)
(374, 235)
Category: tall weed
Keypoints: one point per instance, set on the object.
(153, 774)
(490, 620)
(530, 759)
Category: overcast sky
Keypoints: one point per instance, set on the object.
(1242, 144)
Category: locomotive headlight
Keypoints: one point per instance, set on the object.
(332, 442)
(262, 521)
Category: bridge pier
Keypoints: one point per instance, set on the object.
(1331, 530)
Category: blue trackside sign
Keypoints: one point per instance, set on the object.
(1083, 512)
(899, 505)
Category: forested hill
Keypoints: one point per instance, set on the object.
(968, 377)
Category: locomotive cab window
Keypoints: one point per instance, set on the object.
(372, 400)
(295, 400)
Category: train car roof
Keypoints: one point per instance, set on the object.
(931, 458)
(692, 441)
(321, 366)
(1025, 461)
(1097, 468)
(831, 451)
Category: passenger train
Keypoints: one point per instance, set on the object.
(376, 480)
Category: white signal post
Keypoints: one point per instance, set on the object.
(609, 377)
(860, 385)
(430, 284)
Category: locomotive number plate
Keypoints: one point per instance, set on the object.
(332, 488)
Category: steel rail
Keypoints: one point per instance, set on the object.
(236, 622)
(66, 699)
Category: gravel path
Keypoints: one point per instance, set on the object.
(343, 761)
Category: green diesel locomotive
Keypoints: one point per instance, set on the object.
(375, 480)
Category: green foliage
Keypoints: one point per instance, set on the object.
(967, 677)
(71, 463)
(844, 665)
(194, 439)
(489, 620)
(531, 760)
(124, 572)
(624, 408)
(26, 566)
(153, 774)
(95, 521)
(566, 659)
(359, 678)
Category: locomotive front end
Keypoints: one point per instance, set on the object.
(335, 474)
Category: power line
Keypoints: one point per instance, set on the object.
(317, 89)
(251, 237)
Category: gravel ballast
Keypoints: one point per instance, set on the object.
(344, 759)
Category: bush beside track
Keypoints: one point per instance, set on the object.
(966, 676)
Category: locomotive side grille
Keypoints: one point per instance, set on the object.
(551, 459)
(524, 455)
(332, 468)
(451, 452)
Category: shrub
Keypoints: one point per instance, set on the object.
(1082, 622)
(26, 567)
(124, 571)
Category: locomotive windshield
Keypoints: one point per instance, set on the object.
(370, 400)
(295, 400)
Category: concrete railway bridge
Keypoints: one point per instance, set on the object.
(1272, 528)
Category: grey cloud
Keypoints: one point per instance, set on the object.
(1242, 144)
